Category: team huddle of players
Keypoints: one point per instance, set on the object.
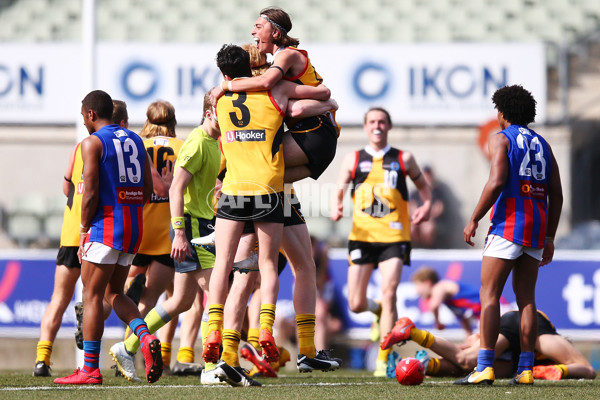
(150, 204)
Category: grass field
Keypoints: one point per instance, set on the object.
(344, 384)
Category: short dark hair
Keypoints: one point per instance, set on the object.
(383, 110)
(119, 112)
(234, 61)
(100, 102)
(516, 104)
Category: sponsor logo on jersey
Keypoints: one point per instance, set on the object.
(365, 166)
(394, 166)
(246, 135)
(536, 191)
(120, 133)
(130, 195)
(161, 142)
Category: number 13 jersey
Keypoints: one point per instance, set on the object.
(118, 222)
(520, 213)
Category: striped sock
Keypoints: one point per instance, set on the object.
(253, 338)
(156, 319)
(165, 352)
(434, 366)
(306, 334)
(91, 355)
(267, 316)
(215, 317)
(140, 329)
(422, 337)
(44, 351)
(231, 344)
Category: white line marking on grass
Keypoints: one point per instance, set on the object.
(137, 387)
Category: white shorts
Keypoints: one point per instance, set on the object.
(498, 247)
(99, 253)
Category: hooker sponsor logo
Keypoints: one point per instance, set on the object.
(246, 135)
(536, 191)
(130, 195)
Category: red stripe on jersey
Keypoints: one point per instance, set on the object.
(509, 218)
(355, 164)
(140, 219)
(401, 161)
(126, 228)
(528, 223)
(108, 222)
(543, 221)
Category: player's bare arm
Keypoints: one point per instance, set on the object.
(180, 247)
(555, 201)
(337, 201)
(91, 152)
(414, 173)
(308, 107)
(498, 147)
(148, 185)
(67, 178)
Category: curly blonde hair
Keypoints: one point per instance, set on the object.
(258, 61)
(161, 120)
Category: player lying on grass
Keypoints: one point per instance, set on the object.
(555, 357)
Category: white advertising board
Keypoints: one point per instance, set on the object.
(420, 84)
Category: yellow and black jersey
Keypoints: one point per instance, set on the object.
(380, 197)
(251, 139)
(309, 75)
(69, 235)
(157, 215)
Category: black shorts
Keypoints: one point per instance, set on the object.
(262, 208)
(292, 214)
(509, 328)
(143, 260)
(373, 253)
(202, 257)
(317, 137)
(67, 256)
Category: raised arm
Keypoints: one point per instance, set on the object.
(308, 108)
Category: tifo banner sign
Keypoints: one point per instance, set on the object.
(568, 290)
(424, 84)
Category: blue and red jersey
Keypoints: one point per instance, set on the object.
(520, 212)
(118, 222)
(466, 302)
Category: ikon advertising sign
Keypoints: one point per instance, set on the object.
(424, 84)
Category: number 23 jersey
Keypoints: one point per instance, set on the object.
(118, 222)
(520, 213)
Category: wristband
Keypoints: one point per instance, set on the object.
(67, 179)
(83, 230)
(230, 86)
(177, 223)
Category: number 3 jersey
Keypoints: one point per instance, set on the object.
(118, 222)
(251, 137)
(380, 197)
(520, 212)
